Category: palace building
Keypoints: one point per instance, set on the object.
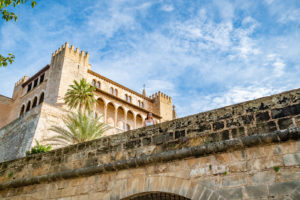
(43, 95)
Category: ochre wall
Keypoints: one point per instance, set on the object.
(231, 173)
(227, 153)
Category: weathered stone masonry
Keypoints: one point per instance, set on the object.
(227, 153)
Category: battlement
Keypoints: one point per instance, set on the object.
(65, 50)
(159, 95)
(21, 81)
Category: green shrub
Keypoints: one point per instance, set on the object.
(276, 168)
(10, 175)
(38, 148)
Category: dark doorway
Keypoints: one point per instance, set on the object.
(156, 196)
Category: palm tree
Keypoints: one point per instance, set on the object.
(80, 127)
(80, 94)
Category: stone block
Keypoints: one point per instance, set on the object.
(283, 188)
(286, 111)
(261, 117)
(204, 127)
(291, 159)
(255, 191)
(218, 125)
(232, 194)
(233, 181)
(265, 177)
(247, 119)
(179, 134)
(285, 123)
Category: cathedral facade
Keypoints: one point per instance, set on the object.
(120, 107)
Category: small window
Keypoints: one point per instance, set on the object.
(29, 87)
(94, 83)
(28, 106)
(129, 99)
(142, 105)
(41, 98)
(126, 97)
(116, 92)
(42, 77)
(22, 110)
(139, 103)
(34, 102)
(36, 81)
(96, 115)
(98, 84)
(111, 90)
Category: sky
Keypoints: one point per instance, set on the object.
(205, 54)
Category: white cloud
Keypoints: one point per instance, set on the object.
(167, 8)
(200, 61)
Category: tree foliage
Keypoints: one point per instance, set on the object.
(81, 94)
(7, 15)
(80, 127)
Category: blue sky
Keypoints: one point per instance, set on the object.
(205, 54)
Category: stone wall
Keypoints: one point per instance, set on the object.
(263, 166)
(241, 151)
(17, 137)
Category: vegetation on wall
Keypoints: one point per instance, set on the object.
(5, 6)
(38, 148)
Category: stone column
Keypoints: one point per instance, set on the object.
(134, 121)
(105, 113)
(116, 117)
(125, 120)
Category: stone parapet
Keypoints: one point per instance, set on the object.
(172, 155)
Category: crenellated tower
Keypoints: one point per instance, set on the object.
(162, 105)
(18, 87)
(67, 65)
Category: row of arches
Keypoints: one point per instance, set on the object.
(117, 116)
(28, 106)
(114, 91)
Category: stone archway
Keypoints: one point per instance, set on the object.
(156, 196)
(137, 187)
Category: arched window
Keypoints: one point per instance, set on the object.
(139, 103)
(112, 90)
(116, 92)
(94, 83)
(126, 97)
(41, 98)
(28, 106)
(98, 84)
(34, 102)
(127, 127)
(142, 104)
(129, 99)
(22, 110)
